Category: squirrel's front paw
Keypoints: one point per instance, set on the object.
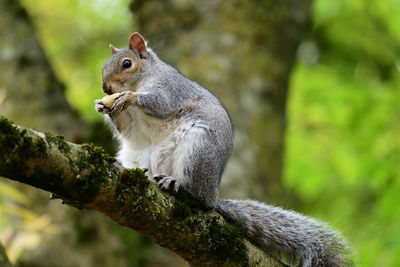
(167, 182)
(100, 108)
(124, 99)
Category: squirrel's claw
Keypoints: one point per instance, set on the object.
(167, 183)
(125, 99)
(119, 105)
(176, 186)
(159, 176)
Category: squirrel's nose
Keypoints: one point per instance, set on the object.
(106, 89)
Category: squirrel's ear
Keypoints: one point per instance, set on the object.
(113, 49)
(137, 43)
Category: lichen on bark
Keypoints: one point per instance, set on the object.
(85, 177)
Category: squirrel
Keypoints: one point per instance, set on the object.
(183, 135)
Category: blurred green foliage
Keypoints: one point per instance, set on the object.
(74, 35)
(343, 145)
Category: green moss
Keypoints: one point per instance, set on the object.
(89, 185)
(132, 185)
(96, 162)
(10, 145)
(53, 181)
(181, 210)
(226, 242)
(58, 140)
(186, 204)
(134, 177)
(98, 153)
(190, 200)
(92, 167)
(32, 147)
(78, 192)
(9, 136)
(82, 161)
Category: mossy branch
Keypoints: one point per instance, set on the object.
(86, 178)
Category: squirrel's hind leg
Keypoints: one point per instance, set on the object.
(190, 158)
(198, 164)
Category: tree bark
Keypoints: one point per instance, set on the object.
(86, 178)
(243, 51)
(30, 92)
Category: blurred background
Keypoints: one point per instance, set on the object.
(312, 88)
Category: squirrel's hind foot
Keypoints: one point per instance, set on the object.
(167, 183)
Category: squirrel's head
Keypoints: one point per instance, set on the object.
(123, 70)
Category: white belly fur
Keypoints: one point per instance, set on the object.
(157, 145)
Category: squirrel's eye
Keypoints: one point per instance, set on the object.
(126, 64)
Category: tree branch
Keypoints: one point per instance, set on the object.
(86, 178)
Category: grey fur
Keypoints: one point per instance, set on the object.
(184, 135)
(287, 234)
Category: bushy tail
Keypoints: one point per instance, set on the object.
(286, 234)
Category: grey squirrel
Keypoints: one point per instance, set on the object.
(182, 133)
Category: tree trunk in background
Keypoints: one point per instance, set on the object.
(32, 96)
(30, 93)
(243, 51)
